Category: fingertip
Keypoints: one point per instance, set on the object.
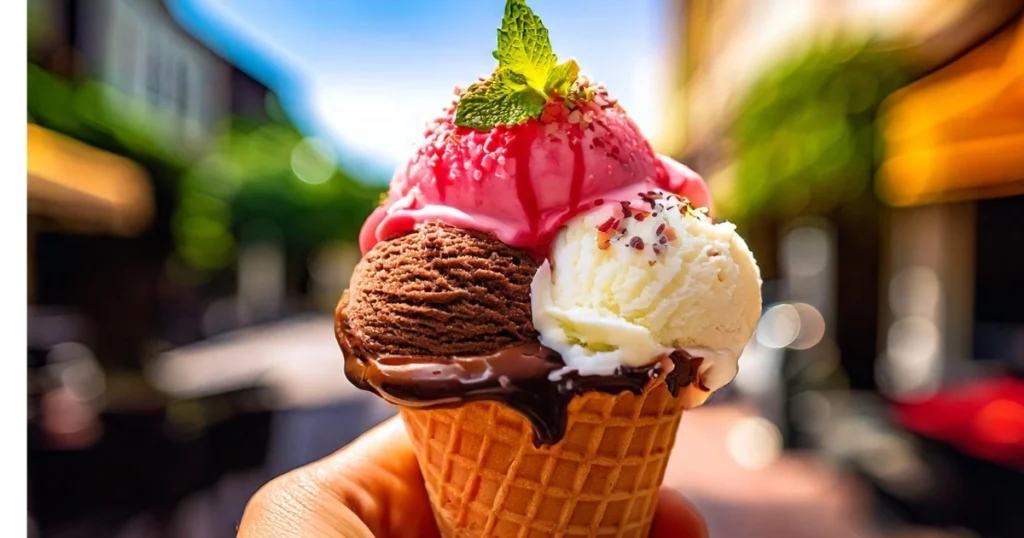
(676, 517)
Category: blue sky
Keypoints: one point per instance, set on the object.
(366, 75)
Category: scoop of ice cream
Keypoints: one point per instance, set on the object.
(628, 282)
(441, 291)
(521, 183)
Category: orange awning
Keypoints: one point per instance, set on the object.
(958, 134)
(84, 189)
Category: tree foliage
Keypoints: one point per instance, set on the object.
(806, 136)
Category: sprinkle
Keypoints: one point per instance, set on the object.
(651, 262)
(661, 228)
(598, 202)
(627, 211)
(670, 233)
(639, 216)
(636, 242)
(608, 224)
(657, 248)
(663, 240)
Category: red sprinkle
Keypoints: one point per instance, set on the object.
(660, 229)
(636, 242)
(640, 217)
(607, 225)
(627, 211)
(598, 202)
(663, 240)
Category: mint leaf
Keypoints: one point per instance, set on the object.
(527, 75)
(562, 78)
(523, 44)
(503, 99)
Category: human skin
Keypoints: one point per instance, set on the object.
(373, 488)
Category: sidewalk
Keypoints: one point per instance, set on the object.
(791, 496)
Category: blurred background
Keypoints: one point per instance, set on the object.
(198, 171)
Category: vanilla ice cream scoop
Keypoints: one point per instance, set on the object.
(631, 281)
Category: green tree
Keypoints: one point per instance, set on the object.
(266, 182)
(806, 136)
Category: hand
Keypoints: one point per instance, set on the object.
(373, 488)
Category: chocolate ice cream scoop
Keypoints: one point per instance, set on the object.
(441, 291)
(442, 316)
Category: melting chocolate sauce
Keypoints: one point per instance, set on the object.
(517, 376)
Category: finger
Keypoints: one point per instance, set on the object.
(675, 517)
(371, 488)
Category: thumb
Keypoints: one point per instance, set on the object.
(372, 487)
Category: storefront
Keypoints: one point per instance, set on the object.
(953, 176)
(75, 188)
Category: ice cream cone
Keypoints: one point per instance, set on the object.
(485, 477)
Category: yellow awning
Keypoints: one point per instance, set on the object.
(84, 189)
(958, 134)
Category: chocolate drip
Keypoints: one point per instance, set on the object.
(517, 376)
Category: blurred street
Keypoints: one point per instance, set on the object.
(198, 172)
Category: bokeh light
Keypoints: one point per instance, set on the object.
(754, 443)
(313, 161)
(779, 326)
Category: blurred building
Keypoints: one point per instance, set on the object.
(953, 175)
(121, 101)
(727, 54)
(871, 154)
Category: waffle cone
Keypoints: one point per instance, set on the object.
(486, 479)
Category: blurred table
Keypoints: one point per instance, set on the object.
(298, 362)
(297, 359)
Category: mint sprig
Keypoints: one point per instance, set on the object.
(527, 76)
(503, 99)
(562, 77)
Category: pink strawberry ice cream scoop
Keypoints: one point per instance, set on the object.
(521, 183)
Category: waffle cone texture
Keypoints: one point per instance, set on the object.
(486, 479)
